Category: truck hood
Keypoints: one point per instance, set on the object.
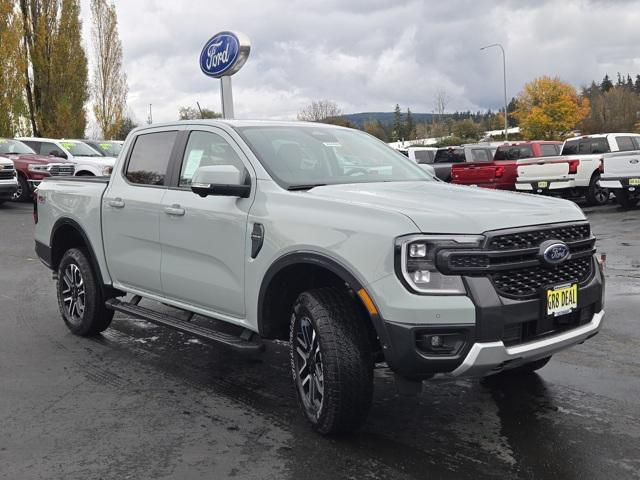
(95, 161)
(437, 207)
(31, 158)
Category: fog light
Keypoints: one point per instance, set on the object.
(436, 341)
(441, 343)
(418, 250)
(421, 276)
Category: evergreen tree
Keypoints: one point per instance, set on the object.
(398, 125)
(410, 126)
(606, 84)
(636, 85)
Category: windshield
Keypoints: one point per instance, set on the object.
(299, 157)
(15, 147)
(513, 152)
(107, 149)
(79, 149)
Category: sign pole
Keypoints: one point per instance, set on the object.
(226, 94)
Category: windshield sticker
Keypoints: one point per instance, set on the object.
(3, 140)
(67, 145)
(331, 144)
(105, 146)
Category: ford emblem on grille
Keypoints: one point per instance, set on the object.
(554, 252)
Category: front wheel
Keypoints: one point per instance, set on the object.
(80, 296)
(331, 361)
(23, 193)
(626, 199)
(596, 195)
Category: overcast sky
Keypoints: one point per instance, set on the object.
(368, 55)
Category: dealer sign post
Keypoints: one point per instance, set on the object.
(222, 56)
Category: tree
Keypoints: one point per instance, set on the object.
(511, 108)
(54, 67)
(192, 113)
(126, 126)
(12, 105)
(109, 80)
(398, 132)
(467, 129)
(606, 84)
(549, 108)
(410, 126)
(317, 111)
(441, 100)
(612, 111)
(373, 127)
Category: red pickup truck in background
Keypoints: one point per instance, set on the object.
(30, 167)
(501, 173)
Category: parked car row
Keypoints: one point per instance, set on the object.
(26, 161)
(590, 166)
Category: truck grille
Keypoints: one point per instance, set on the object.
(62, 170)
(7, 172)
(510, 258)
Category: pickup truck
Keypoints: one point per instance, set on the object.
(8, 181)
(87, 161)
(30, 168)
(621, 174)
(577, 171)
(447, 157)
(501, 173)
(274, 230)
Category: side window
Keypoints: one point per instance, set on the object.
(206, 149)
(625, 144)
(47, 148)
(150, 158)
(422, 156)
(548, 150)
(479, 155)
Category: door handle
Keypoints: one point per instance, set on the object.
(175, 210)
(116, 203)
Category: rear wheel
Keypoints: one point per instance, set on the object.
(80, 296)
(596, 195)
(24, 192)
(627, 199)
(331, 361)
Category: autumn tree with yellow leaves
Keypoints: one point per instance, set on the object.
(549, 108)
(12, 106)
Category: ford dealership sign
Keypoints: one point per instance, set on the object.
(224, 54)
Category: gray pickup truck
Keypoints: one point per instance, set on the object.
(324, 237)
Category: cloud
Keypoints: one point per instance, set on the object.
(368, 55)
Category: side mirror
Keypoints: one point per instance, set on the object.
(220, 180)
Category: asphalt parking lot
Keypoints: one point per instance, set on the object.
(142, 402)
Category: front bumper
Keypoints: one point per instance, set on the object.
(8, 189)
(491, 357)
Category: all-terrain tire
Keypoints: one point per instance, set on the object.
(80, 296)
(625, 199)
(328, 321)
(596, 195)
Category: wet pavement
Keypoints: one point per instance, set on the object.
(144, 402)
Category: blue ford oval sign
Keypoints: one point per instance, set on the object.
(555, 253)
(224, 54)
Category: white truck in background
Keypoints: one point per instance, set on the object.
(577, 170)
(621, 174)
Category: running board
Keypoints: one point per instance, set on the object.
(242, 344)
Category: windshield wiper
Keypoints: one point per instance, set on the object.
(305, 187)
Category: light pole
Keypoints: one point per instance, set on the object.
(504, 79)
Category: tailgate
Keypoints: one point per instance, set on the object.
(545, 171)
(473, 173)
(622, 165)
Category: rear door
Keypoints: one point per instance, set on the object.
(131, 212)
(204, 239)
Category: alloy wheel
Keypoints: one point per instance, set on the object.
(73, 293)
(18, 194)
(308, 367)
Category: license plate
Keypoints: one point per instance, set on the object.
(634, 182)
(562, 299)
(543, 184)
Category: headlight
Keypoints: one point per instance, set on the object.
(41, 169)
(416, 262)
